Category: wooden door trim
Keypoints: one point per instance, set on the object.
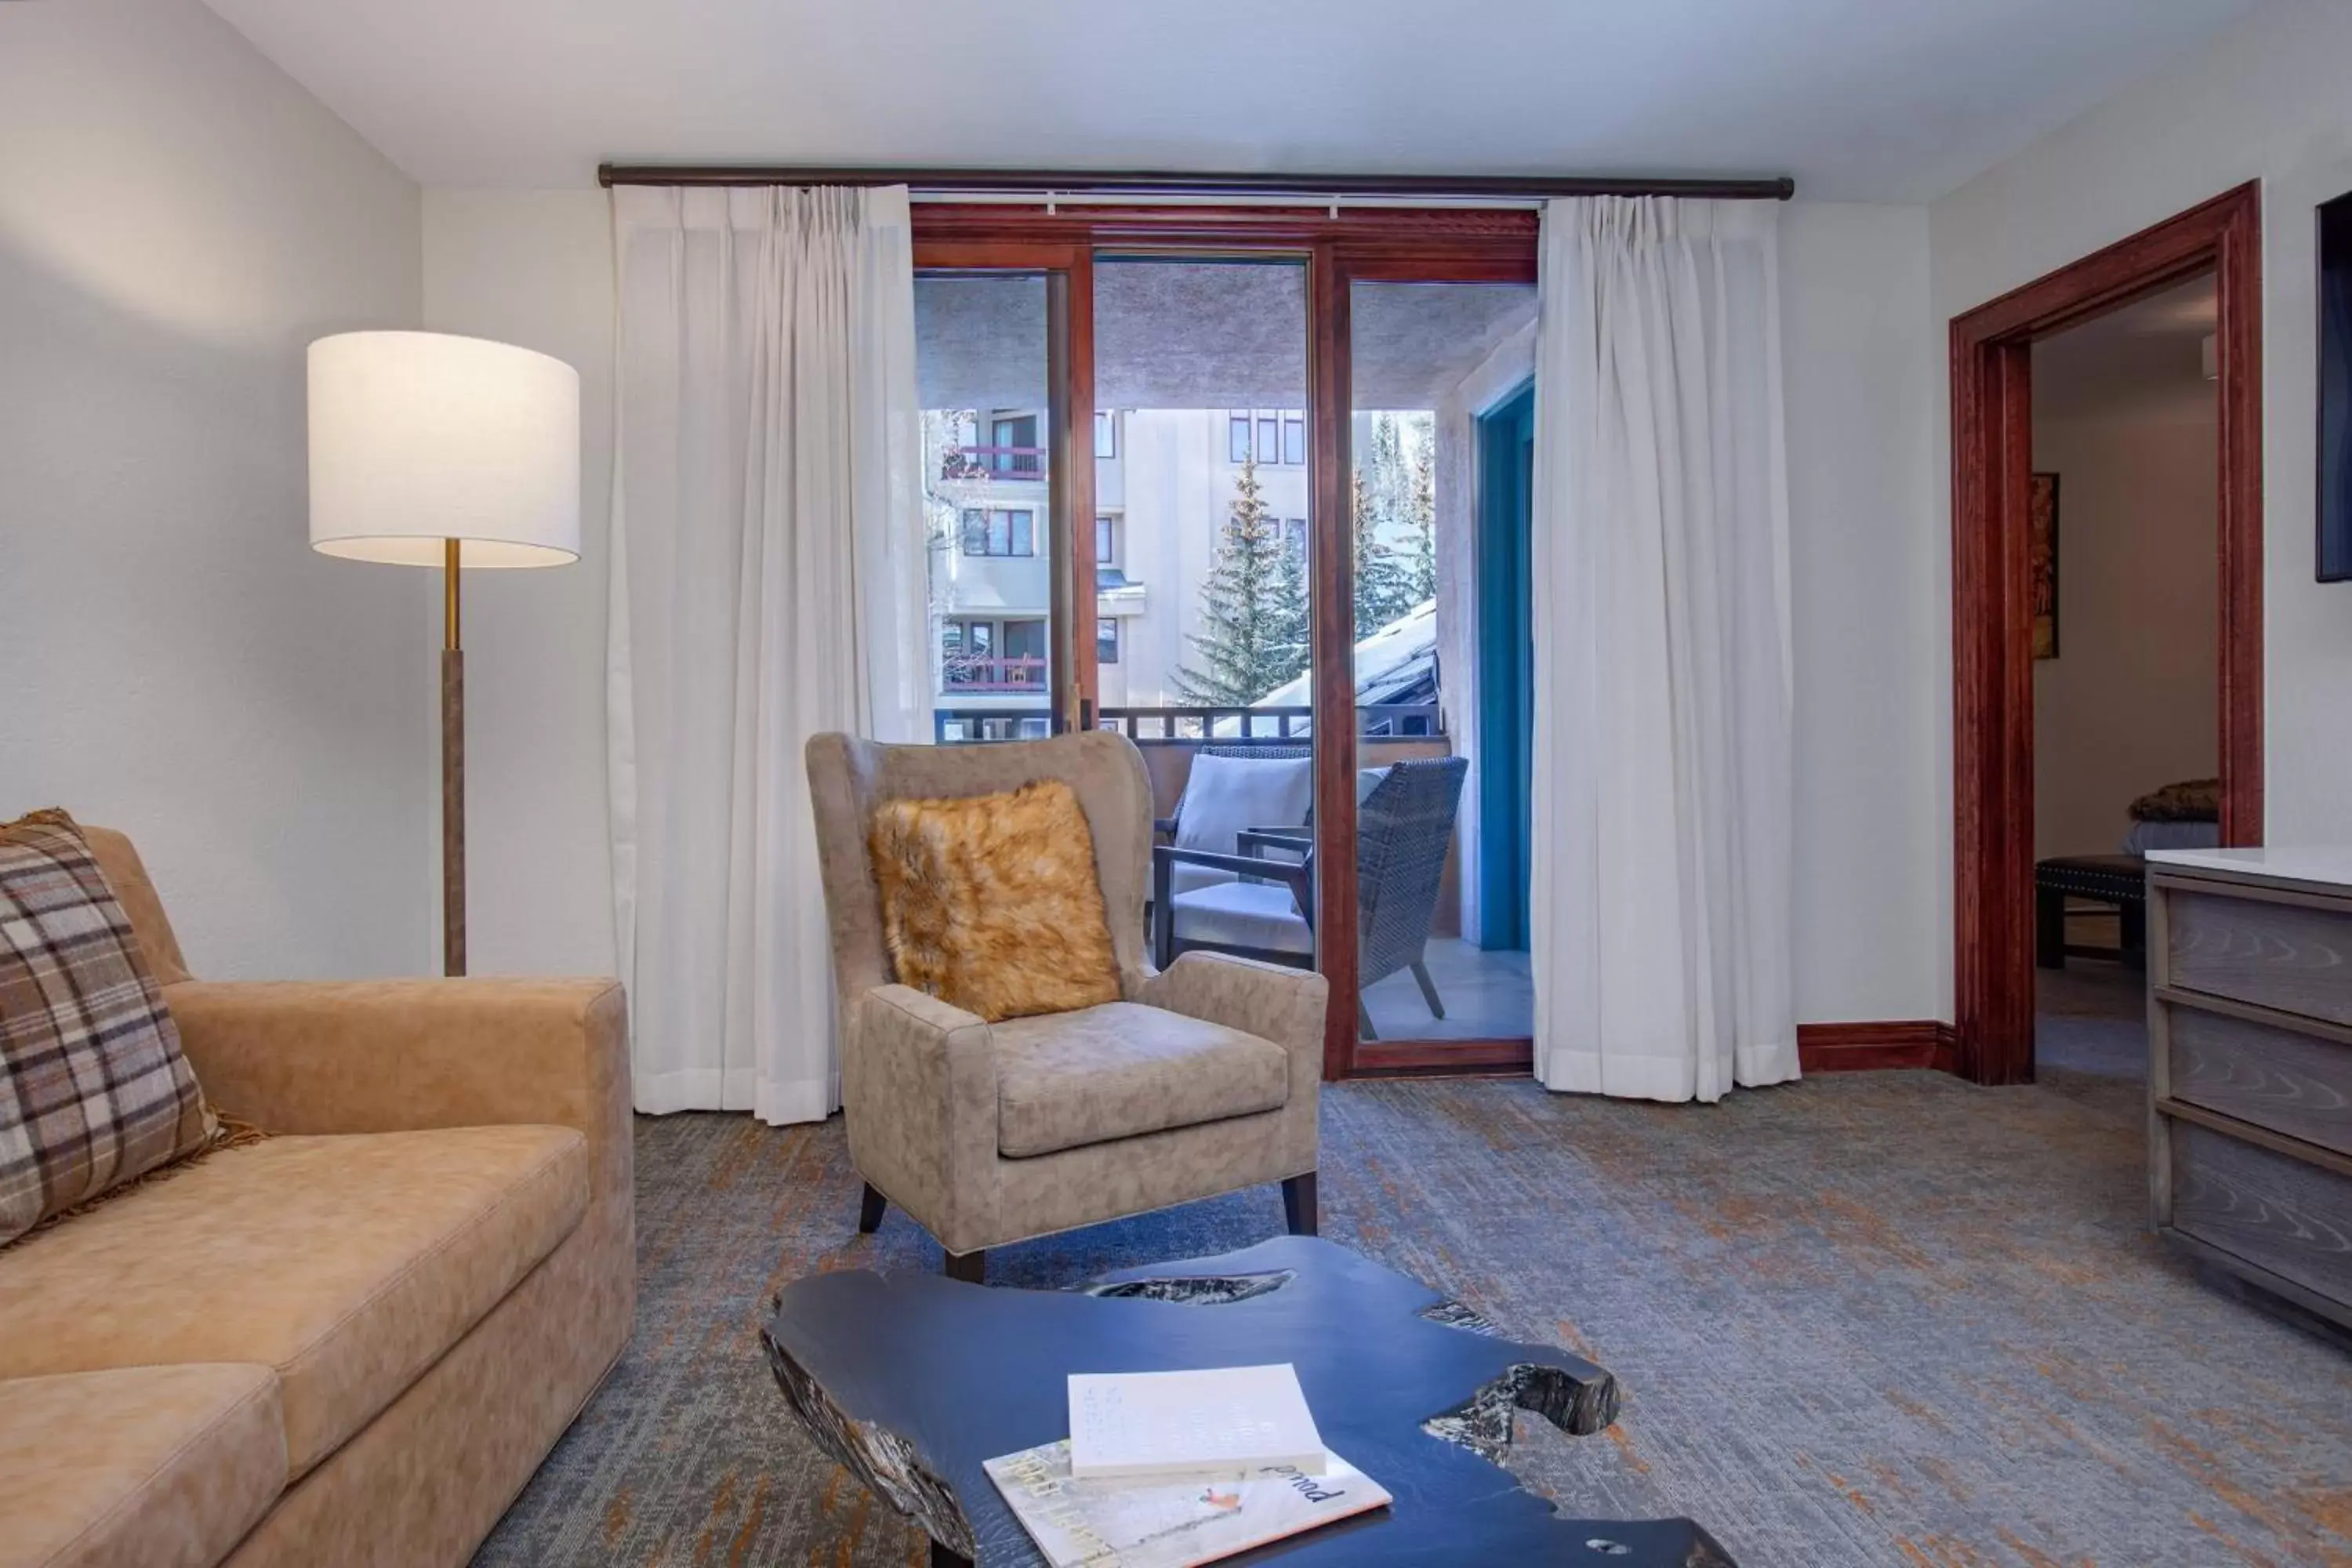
(1993, 669)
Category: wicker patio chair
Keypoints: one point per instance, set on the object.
(1402, 829)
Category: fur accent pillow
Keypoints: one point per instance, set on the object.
(94, 1092)
(990, 902)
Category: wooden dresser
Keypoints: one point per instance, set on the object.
(2249, 1068)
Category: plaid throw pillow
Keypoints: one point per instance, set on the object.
(93, 1090)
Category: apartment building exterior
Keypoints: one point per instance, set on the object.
(1165, 480)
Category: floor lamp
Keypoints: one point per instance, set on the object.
(433, 450)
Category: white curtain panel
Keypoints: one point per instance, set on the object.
(768, 570)
(1662, 770)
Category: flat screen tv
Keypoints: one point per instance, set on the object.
(2335, 389)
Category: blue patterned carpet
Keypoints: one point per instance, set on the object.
(1876, 1318)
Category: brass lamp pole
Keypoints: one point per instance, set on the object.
(431, 449)
(453, 769)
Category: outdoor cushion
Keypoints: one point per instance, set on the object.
(1244, 914)
(94, 1091)
(348, 1264)
(990, 902)
(164, 1467)
(1222, 796)
(1120, 1070)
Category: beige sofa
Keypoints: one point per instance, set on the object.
(353, 1341)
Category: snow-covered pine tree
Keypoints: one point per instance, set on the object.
(1254, 626)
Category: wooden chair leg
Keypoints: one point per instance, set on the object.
(971, 1267)
(1428, 989)
(869, 1210)
(1298, 1204)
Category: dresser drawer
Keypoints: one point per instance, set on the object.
(2276, 1213)
(2291, 957)
(2289, 1082)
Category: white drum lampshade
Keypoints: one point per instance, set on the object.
(421, 437)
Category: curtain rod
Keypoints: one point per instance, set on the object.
(1310, 189)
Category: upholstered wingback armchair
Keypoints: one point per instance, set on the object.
(1202, 1078)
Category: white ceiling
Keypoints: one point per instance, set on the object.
(1859, 100)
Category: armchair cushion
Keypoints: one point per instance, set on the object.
(1123, 1070)
(1262, 915)
(991, 903)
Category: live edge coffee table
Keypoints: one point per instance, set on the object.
(911, 1381)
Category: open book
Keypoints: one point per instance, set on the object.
(1171, 1523)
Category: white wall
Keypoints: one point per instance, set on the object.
(2133, 699)
(535, 267)
(1860, 372)
(177, 220)
(2264, 100)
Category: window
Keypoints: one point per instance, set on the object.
(1294, 536)
(1105, 542)
(992, 655)
(1006, 530)
(1106, 432)
(1013, 445)
(1269, 435)
(1107, 640)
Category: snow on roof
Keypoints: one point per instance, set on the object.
(1397, 663)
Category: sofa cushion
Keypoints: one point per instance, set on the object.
(94, 1091)
(166, 1466)
(1121, 1069)
(348, 1264)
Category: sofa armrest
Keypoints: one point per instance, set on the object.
(1284, 1006)
(380, 1056)
(918, 1091)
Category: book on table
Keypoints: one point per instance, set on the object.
(1167, 1522)
(1227, 1419)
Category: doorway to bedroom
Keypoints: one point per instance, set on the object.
(2126, 594)
(2059, 575)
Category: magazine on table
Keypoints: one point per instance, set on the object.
(1172, 1522)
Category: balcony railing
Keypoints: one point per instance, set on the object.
(978, 672)
(1019, 463)
(1186, 726)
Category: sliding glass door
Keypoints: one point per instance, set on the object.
(1239, 484)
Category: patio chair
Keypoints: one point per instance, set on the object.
(1203, 1078)
(1403, 825)
(1245, 787)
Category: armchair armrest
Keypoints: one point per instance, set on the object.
(919, 1089)
(1284, 1006)
(379, 1056)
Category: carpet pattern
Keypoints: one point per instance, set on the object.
(1871, 1318)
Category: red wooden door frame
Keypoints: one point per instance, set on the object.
(1993, 667)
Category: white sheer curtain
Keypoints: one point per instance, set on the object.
(1662, 769)
(768, 568)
